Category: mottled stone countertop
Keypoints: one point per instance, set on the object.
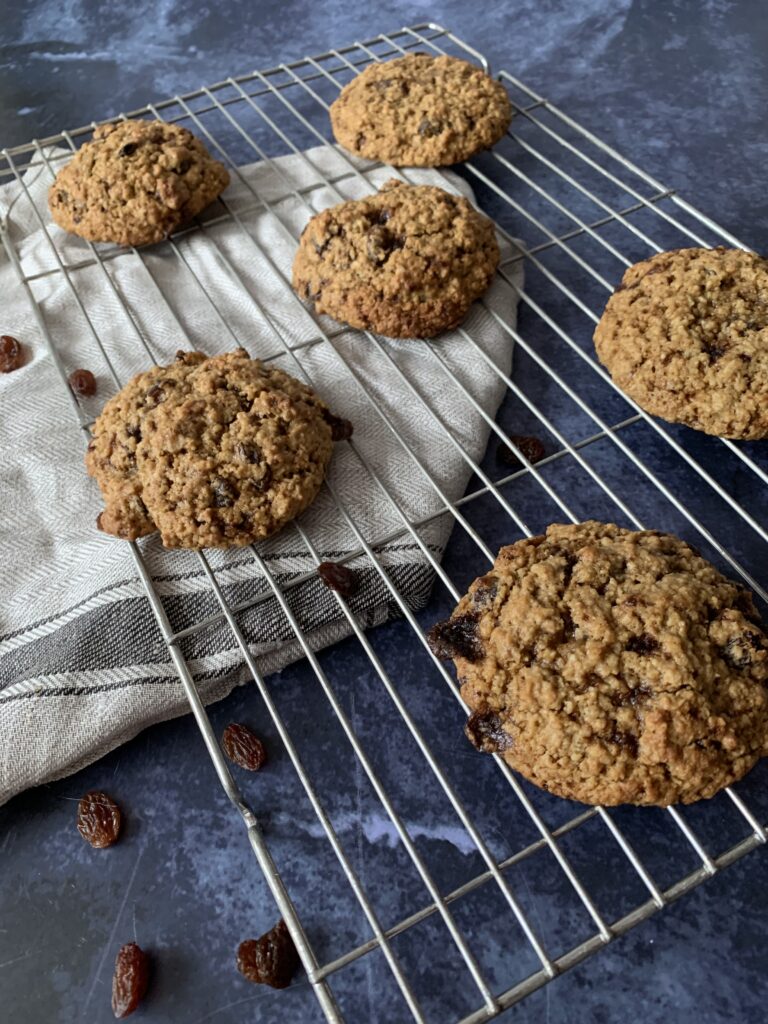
(682, 89)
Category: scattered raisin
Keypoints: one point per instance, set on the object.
(98, 819)
(341, 429)
(11, 354)
(456, 638)
(270, 960)
(128, 149)
(183, 167)
(643, 644)
(485, 732)
(82, 383)
(531, 447)
(243, 747)
(130, 980)
(339, 578)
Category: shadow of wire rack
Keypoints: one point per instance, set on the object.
(586, 213)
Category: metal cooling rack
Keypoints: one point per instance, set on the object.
(586, 213)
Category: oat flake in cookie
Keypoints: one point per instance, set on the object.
(135, 183)
(421, 111)
(212, 452)
(612, 666)
(686, 335)
(407, 262)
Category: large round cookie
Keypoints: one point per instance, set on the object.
(212, 452)
(420, 111)
(612, 666)
(407, 262)
(686, 335)
(135, 183)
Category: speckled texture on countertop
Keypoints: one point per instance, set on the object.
(681, 88)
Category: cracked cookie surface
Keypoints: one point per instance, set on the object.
(213, 452)
(407, 262)
(686, 335)
(420, 111)
(135, 183)
(612, 666)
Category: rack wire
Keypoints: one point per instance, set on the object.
(586, 213)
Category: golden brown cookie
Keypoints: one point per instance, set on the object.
(213, 452)
(407, 262)
(135, 183)
(612, 666)
(686, 335)
(421, 111)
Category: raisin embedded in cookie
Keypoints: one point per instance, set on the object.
(421, 111)
(612, 666)
(686, 335)
(135, 183)
(407, 262)
(212, 452)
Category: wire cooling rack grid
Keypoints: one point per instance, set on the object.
(585, 214)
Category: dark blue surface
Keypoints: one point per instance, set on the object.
(680, 88)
